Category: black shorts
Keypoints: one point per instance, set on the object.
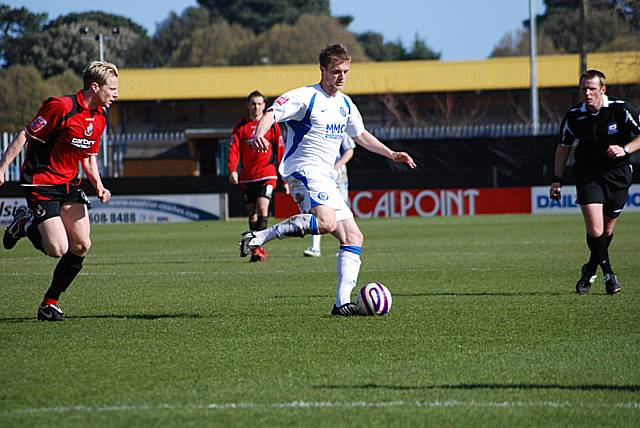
(45, 201)
(257, 189)
(610, 189)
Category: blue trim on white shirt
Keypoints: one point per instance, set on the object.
(300, 128)
(346, 101)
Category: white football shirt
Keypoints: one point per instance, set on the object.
(316, 125)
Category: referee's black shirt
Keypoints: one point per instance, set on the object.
(616, 123)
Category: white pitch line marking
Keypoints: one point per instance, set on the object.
(319, 405)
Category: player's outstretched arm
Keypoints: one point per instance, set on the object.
(11, 153)
(371, 143)
(266, 121)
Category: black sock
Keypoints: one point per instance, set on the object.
(65, 272)
(252, 225)
(599, 250)
(261, 224)
(592, 264)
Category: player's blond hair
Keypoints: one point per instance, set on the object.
(99, 72)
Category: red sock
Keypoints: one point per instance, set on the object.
(50, 302)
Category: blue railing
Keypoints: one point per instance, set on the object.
(496, 130)
(118, 144)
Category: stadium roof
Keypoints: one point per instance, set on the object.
(374, 77)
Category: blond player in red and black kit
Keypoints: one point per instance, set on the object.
(64, 133)
(258, 170)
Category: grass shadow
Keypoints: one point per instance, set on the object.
(493, 386)
(435, 294)
(305, 296)
(485, 293)
(144, 262)
(148, 317)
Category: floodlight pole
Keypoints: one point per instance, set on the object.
(535, 115)
(100, 37)
(105, 135)
(581, 36)
(101, 45)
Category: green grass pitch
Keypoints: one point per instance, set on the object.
(169, 327)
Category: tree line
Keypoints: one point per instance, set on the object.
(216, 32)
(39, 57)
(610, 25)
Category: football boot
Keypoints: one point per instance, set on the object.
(50, 313)
(586, 279)
(346, 310)
(17, 229)
(611, 284)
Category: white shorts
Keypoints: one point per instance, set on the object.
(342, 181)
(312, 188)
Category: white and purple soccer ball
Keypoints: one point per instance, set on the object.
(374, 299)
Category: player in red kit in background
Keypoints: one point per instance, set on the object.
(258, 170)
(64, 133)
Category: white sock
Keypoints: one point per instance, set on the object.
(315, 242)
(297, 226)
(348, 270)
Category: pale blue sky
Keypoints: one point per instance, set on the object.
(460, 29)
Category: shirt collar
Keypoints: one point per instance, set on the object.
(83, 105)
(80, 100)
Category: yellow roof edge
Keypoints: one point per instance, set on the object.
(374, 77)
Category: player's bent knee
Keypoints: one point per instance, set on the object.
(327, 227)
(326, 224)
(55, 250)
(609, 225)
(594, 232)
(80, 248)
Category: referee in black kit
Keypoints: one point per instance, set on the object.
(605, 132)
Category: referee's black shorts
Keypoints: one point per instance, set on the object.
(610, 189)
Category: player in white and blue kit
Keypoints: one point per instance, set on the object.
(341, 178)
(317, 117)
